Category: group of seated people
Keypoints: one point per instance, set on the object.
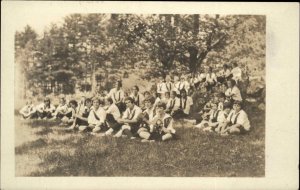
(148, 115)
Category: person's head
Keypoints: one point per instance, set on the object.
(215, 99)
(47, 101)
(88, 102)
(161, 79)
(227, 107)
(29, 102)
(209, 69)
(149, 101)
(214, 106)
(135, 89)
(129, 102)
(96, 103)
(146, 94)
(221, 97)
(62, 100)
(225, 66)
(173, 94)
(167, 95)
(73, 104)
(231, 83)
(182, 78)
(183, 93)
(234, 64)
(118, 84)
(82, 99)
(109, 101)
(237, 106)
(160, 108)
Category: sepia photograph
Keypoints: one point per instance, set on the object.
(141, 95)
(131, 94)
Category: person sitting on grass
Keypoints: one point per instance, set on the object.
(227, 107)
(237, 121)
(185, 105)
(130, 121)
(117, 95)
(166, 98)
(233, 92)
(136, 96)
(176, 85)
(69, 117)
(221, 100)
(161, 86)
(216, 117)
(173, 103)
(45, 110)
(28, 111)
(147, 115)
(81, 114)
(169, 84)
(211, 80)
(96, 118)
(184, 84)
(162, 126)
(63, 110)
(236, 72)
(112, 114)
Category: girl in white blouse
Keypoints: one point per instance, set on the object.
(233, 92)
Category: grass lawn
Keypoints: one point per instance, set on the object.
(44, 149)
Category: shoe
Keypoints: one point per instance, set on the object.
(109, 132)
(145, 140)
(224, 134)
(70, 128)
(132, 138)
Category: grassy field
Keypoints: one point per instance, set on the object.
(43, 148)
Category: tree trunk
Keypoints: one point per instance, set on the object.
(193, 59)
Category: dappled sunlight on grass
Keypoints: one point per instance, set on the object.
(194, 153)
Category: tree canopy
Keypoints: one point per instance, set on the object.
(85, 46)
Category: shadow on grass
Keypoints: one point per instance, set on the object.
(44, 131)
(25, 148)
(41, 123)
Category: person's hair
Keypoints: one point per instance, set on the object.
(221, 95)
(136, 87)
(97, 99)
(161, 105)
(167, 93)
(150, 99)
(119, 82)
(110, 100)
(74, 102)
(147, 92)
(232, 82)
(210, 69)
(87, 100)
(225, 66)
(240, 103)
(227, 105)
(129, 99)
(47, 99)
(235, 64)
